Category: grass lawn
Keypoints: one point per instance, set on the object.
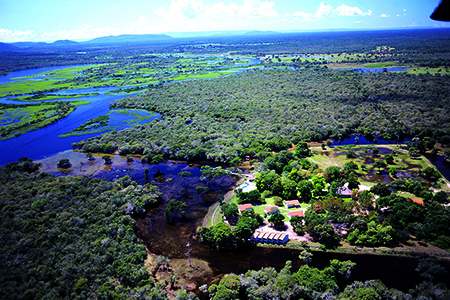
(260, 209)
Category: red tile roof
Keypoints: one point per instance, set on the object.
(245, 207)
(269, 209)
(296, 213)
(420, 201)
(292, 202)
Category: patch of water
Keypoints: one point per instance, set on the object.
(376, 70)
(247, 186)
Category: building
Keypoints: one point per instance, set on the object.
(272, 210)
(270, 237)
(416, 200)
(296, 213)
(292, 203)
(245, 207)
(344, 192)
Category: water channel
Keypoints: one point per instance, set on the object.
(43, 143)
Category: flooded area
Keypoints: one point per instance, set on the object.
(170, 239)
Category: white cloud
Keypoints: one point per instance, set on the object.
(441, 25)
(307, 17)
(348, 11)
(384, 16)
(357, 21)
(196, 9)
(9, 36)
(142, 25)
(194, 15)
(328, 11)
(323, 10)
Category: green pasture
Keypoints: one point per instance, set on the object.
(208, 75)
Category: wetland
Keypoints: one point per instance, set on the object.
(163, 117)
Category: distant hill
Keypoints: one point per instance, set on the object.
(25, 45)
(195, 34)
(260, 32)
(7, 47)
(65, 43)
(129, 38)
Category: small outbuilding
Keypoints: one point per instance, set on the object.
(245, 207)
(344, 192)
(270, 237)
(296, 213)
(418, 201)
(292, 203)
(270, 210)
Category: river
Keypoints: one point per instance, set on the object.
(44, 143)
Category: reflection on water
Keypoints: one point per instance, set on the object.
(362, 140)
(376, 70)
(442, 166)
(377, 176)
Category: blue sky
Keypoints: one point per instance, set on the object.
(50, 20)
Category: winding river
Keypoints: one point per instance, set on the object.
(44, 143)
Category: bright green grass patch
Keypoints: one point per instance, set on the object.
(66, 73)
(202, 76)
(46, 97)
(383, 65)
(29, 87)
(185, 60)
(78, 103)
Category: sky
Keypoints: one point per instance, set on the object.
(50, 20)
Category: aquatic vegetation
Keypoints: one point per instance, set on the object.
(46, 97)
(114, 120)
(16, 120)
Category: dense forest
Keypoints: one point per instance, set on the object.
(269, 110)
(312, 283)
(71, 237)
